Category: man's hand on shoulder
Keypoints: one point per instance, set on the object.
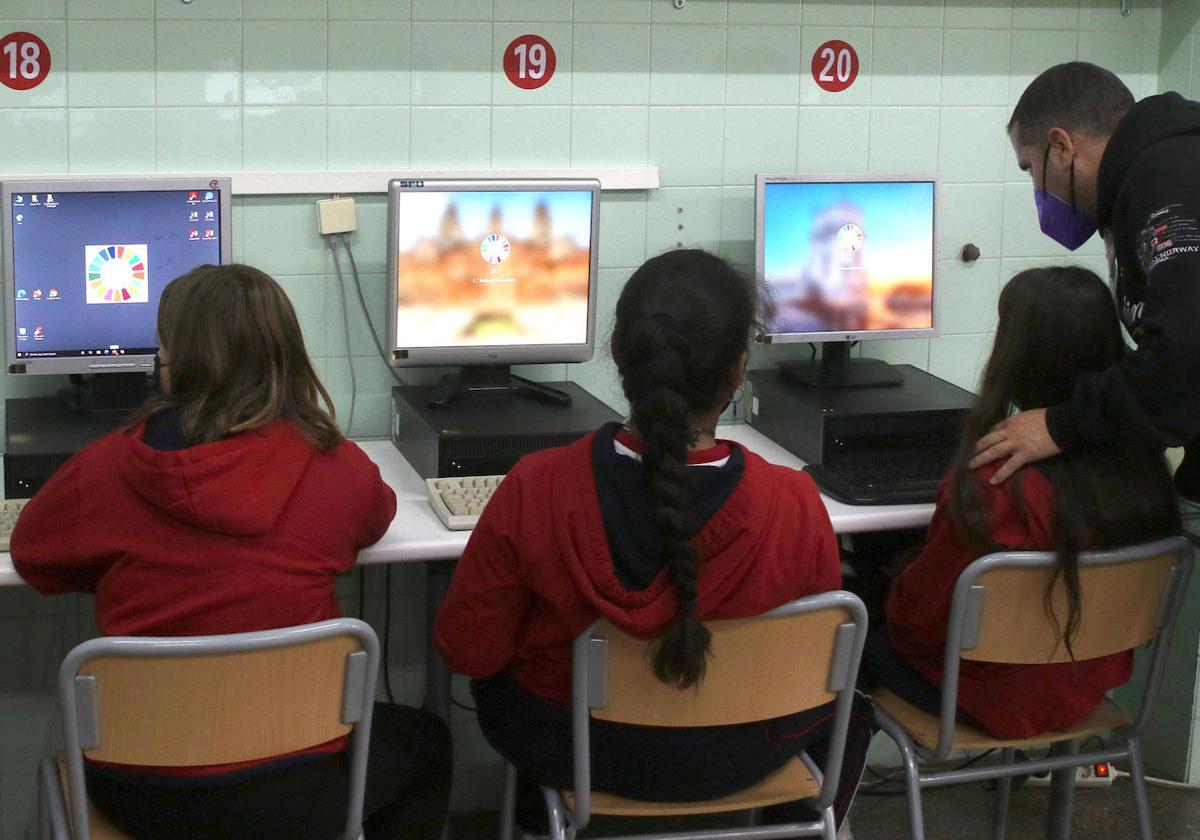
(1021, 439)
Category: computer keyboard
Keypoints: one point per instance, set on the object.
(459, 501)
(10, 509)
(884, 482)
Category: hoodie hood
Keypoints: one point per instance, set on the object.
(746, 512)
(237, 486)
(1150, 121)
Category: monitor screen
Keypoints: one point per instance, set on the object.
(492, 272)
(86, 266)
(847, 258)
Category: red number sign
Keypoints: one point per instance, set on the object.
(24, 60)
(835, 66)
(529, 61)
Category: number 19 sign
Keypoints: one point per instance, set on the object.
(529, 61)
(835, 66)
(24, 60)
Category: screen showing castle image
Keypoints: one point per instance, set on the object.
(492, 268)
(848, 256)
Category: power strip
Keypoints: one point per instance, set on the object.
(1090, 775)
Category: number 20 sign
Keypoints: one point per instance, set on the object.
(24, 60)
(529, 61)
(835, 66)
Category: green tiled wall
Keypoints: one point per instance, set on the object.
(711, 94)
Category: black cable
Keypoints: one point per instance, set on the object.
(387, 635)
(463, 706)
(362, 302)
(869, 789)
(346, 329)
(362, 591)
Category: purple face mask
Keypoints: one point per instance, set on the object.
(1060, 220)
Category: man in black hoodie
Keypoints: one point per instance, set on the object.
(1132, 171)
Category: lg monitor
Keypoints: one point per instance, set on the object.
(846, 259)
(485, 274)
(85, 263)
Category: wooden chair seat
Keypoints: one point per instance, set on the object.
(923, 727)
(101, 828)
(791, 781)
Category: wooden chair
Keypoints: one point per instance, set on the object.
(796, 657)
(203, 700)
(1130, 597)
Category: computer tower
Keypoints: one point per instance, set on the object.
(40, 434)
(486, 434)
(854, 425)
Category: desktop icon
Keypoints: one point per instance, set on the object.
(194, 216)
(18, 199)
(209, 215)
(210, 196)
(37, 294)
(50, 202)
(22, 332)
(38, 332)
(53, 294)
(34, 199)
(209, 233)
(193, 196)
(20, 218)
(193, 234)
(22, 294)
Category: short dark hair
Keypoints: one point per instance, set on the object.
(1076, 96)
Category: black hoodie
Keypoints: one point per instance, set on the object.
(1148, 207)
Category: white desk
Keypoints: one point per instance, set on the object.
(416, 535)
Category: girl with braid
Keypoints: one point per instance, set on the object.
(653, 525)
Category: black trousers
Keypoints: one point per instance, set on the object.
(667, 765)
(407, 795)
(883, 667)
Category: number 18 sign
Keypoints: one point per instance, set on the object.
(529, 61)
(24, 60)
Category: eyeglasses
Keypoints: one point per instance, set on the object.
(159, 364)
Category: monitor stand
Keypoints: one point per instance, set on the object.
(494, 380)
(116, 392)
(836, 369)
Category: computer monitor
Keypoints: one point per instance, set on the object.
(846, 258)
(485, 274)
(85, 263)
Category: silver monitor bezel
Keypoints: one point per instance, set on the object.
(401, 357)
(85, 364)
(760, 183)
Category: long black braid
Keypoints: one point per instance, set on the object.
(683, 321)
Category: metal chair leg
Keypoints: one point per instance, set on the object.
(560, 829)
(1062, 791)
(828, 826)
(754, 817)
(508, 806)
(1141, 800)
(1003, 793)
(912, 776)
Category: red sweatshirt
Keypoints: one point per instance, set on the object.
(242, 534)
(538, 569)
(1010, 701)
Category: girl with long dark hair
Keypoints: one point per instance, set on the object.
(1055, 324)
(654, 526)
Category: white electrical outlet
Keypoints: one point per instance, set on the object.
(1090, 775)
(336, 215)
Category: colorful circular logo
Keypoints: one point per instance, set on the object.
(116, 274)
(849, 238)
(494, 249)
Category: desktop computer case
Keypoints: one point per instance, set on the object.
(486, 434)
(857, 425)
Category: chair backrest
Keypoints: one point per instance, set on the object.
(203, 700)
(796, 657)
(1129, 597)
